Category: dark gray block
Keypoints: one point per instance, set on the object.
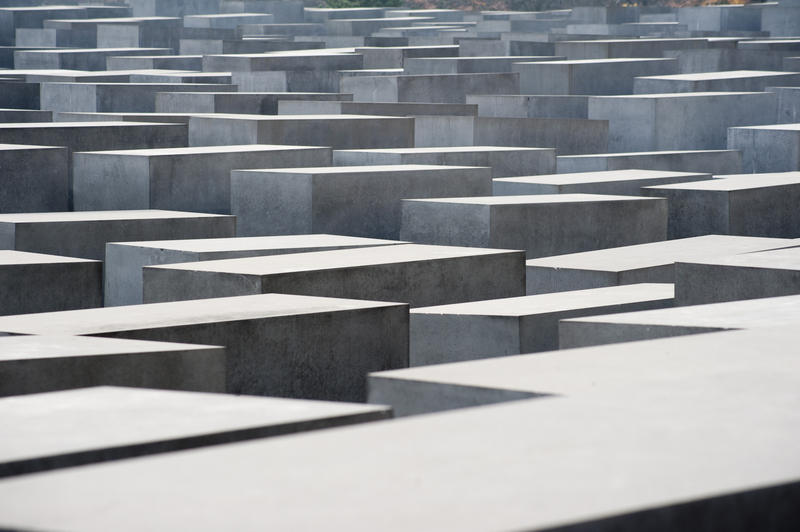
(265, 103)
(34, 178)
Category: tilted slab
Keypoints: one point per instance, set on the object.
(615, 182)
(192, 179)
(731, 80)
(124, 261)
(417, 274)
(276, 344)
(680, 321)
(348, 200)
(501, 327)
(35, 364)
(117, 423)
(643, 263)
(543, 225)
(707, 161)
(84, 234)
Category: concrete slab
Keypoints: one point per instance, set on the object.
(84, 234)
(35, 178)
(124, 260)
(417, 274)
(436, 88)
(528, 324)
(265, 103)
(276, 344)
(615, 182)
(543, 225)
(707, 161)
(122, 423)
(774, 148)
(349, 200)
(531, 106)
(644, 263)
(732, 80)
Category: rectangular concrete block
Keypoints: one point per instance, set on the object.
(36, 364)
(417, 274)
(713, 162)
(34, 178)
(190, 179)
(542, 225)
(124, 260)
(615, 182)
(774, 148)
(437, 88)
(122, 423)
(348, 200)
(78, 58)
(84, 234)
(276, 344)
(619, 48)
(735, 80)
(528, 324)
(265, 103)
(643, 263)
(504, 161)
(531, 106)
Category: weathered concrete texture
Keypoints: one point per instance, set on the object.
(531, 106)
(119, 423)
(155, 62)
(335, 131)
(84, 234)
(615, 182)
(707, 161)
(34, 178)
(481, 468)
(644, 263)
(504, 161)
(684, 121)
(542, 225)
(35, 364)
(189, 179)
(788, 104)
(672, 365)
(276, 344)
(395, 56)
(589, 76)
(774, 148)
(735, 80)
(754, 275)
(303, 107)
(348, 200)
(33, 282)
(417, 274)
(679, 321)
(621, 48)
(746, 204)
(468, 65)
(528, 324)
(78, 59)
(442, 88)
(124, 261)
(265, 103)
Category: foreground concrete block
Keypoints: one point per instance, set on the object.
(32, 282)
(715, 162)
(589, 76)
(615, 182)
(753, 275)
(685, 121)
(501, 327)
(36, 364)
(733, 80)
(746, 204)
(34, 178)
(84, 234)
(680, 321)
(542, 225)
(124, 261)
(644, 263)
(419, 275)
(504, 161)
(349, 200)
(336, 131)
(773, 148)
(122, 423)
(276, 344)
(190, 179)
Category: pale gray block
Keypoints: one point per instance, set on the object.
(531, 106)
(733, 80)
(620, 48)
(417, 274)
(528, 324)
(78, 58)
(773, 148)
(542, 225)
(36, 364)
(276, 344)
(616, 182)
(467, 65)
(706, 161)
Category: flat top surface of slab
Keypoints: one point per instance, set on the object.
(361, 169)
(71, 125)
(639, 153)
(556, 302)
(18, 147)
(205, 150)
(260, 242)
(90, 216)
(443, 149)
(659, 253)
(677, 95)
(178, 313)
(71, 421)
(533, 199)
(774, 127)
(602, 61)
(11, 257)
(778, 259)
(332, 260)
(45, 347)
(293, 118)
(728, 74)
(597, 177)
(736, 182)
